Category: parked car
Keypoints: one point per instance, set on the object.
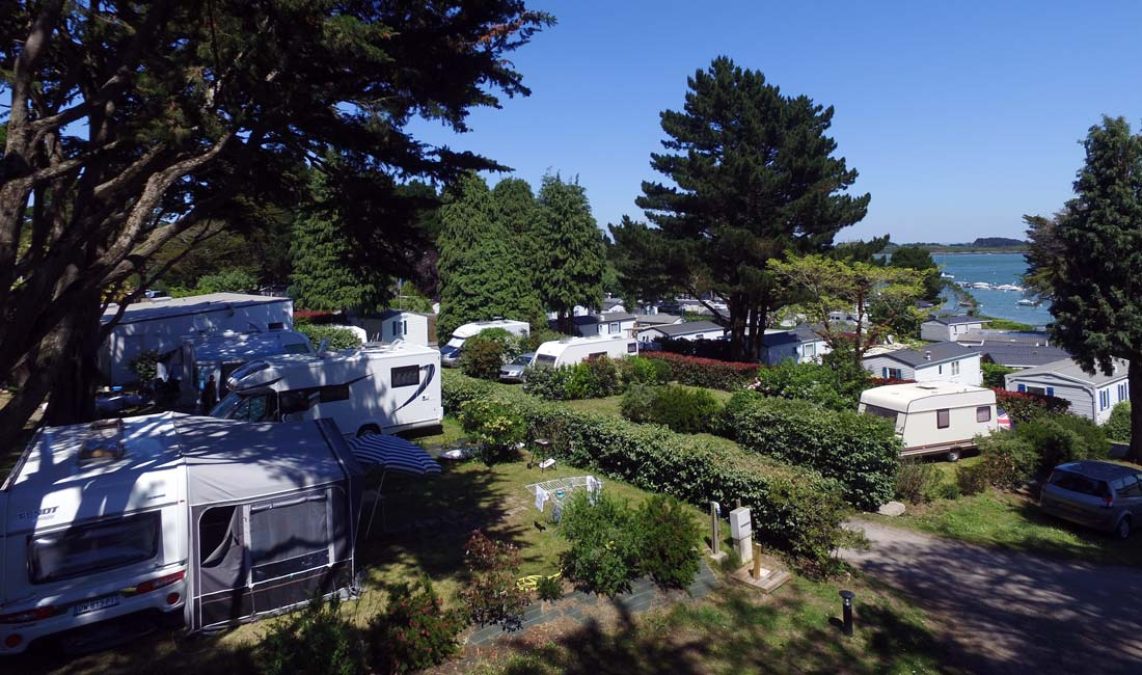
(1102, 495)
(514, 371)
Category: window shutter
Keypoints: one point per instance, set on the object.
(1050, 391)
(884, 372)
(1022, 388)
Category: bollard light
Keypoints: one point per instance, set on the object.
(847, 611)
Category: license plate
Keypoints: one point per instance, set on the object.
(96, 604)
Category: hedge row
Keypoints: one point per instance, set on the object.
(795, 509)
(699, 372)
(860, 451)
(1021, 406)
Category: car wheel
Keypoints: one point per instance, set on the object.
(953, 456)
(1124, 528)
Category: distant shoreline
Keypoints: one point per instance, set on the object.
(957, 249)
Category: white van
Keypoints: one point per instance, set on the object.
(934, 417)
(206, 521)
(572, 350)
(373, 389)
(450, 352)
(220, 354)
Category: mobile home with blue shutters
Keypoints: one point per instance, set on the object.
(1091, 395)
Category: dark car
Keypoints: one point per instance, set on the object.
(1101, 495)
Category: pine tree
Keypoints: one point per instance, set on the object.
(1096, 282)
(754, 176)
(572, 250)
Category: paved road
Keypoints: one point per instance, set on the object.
(1011, 612)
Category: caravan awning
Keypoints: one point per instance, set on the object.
(393, 453)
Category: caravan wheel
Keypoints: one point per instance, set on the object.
(368, 429)
(953, 455)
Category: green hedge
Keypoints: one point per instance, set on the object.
(860, 451)
(681, 409)
(794, 508)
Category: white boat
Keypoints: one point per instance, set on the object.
(1028, 302)
(945, 275)
(981, 285)
(1009, 287)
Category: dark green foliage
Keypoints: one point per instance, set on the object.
(860, 451)
(497, 425)
(1117, 428)
(604, 551)
(145, 366)
(993, 375)
(1097, 247)
(917, 481)
(1009, 461)
(852, 379)
(754, 176)
(602, 377)
(229, 281)
(314, 640)
(338, 338)
(483, 355)
(415, 631)
(491, 594)
(549, 588)
(669, 540)
(973, 479)
(593, 378)
(547, 383)
(919, 259)
(708, 373)
(571, 249)
(642, 269)
(811, 382)
(794, 508)
(686, 411)
(1023, 407)
(1033, 448)
(538, 336)
(641, 370)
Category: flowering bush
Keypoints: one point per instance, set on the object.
(492, 595)
(415, 631)
(1021, 406)
(699, 372)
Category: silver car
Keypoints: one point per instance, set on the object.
(1101, 495)
(516, 370)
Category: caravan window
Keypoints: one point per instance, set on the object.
(289, 537)
(943, 419)
(98, 546)
(334, 393)
(983, 413)
(407, 376)
(877, 411)
(253, 408)
(545, 359)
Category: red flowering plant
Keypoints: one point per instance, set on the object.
(492, 593)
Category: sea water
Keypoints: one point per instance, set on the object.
(995, 269)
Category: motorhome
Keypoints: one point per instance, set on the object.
(373, 389)
(450, 352)
(934, 417)
(220, 354)
(572, 350)
(208, 521)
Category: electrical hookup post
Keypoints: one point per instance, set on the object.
(741, 530)
(715, 533)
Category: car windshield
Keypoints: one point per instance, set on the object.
(524, 360)
(261, 407)
(455, 343)
(1075, 482)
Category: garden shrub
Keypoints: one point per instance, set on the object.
(1021, 406)
(1063, 438)
(851, 377)
(145, 367)
(547, 383)
(601, 377)
(637, 403)
(709, 373)
(972, 479)
(483, 354)
(415, 631)
(641, 370)
(668, 542)
(794, 508)
(312, 640)
(993, 374)
(491, 594)
(917, 481)
(336, 337)
(496, 425)
(805, 381)
(860, 451)
(538, 336)
(603, 556)
(739, 403)
(549, 588)
(1117, 428)
(686, 411)
(1008, 460)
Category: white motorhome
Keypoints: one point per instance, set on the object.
(934, 417)
(572, 350)
(373, 389)
(208, 521)
(450, 352)
(220, 354)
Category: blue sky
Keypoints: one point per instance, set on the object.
(960, 117)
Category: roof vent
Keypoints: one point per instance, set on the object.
(105, 445)
(927, 356)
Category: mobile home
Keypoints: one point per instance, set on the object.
(934, 417)
(374, 389)
(213, 521)
(203, 355)
(160, 324)
(450, 352)
(572, 350)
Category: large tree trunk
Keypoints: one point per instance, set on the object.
(1134, 380)
(738, 314)
(72, 397)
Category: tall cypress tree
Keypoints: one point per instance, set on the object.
(572, 252)
(1096, 284)
(753, 176)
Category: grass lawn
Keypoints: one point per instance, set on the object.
(1012, 521)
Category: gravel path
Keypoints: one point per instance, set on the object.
(1012, 612)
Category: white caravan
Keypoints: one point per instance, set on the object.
(205, 521)
(934, 417)
(220, 354)
(450, 352)
(373, 389)
(572, 350)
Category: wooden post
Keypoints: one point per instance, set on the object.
(715, 541)
(756, 560)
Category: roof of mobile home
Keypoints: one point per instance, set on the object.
(221, 453)
(1069, 369)
(928, 355)
(918, 396)
(165, 308)
(954, 320)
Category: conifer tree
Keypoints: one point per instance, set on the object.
(572, 250)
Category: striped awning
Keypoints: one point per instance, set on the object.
(393, 453)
